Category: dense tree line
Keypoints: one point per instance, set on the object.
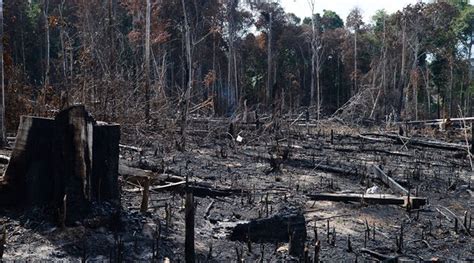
(133, 61)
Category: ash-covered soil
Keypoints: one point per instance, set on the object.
(261, 174)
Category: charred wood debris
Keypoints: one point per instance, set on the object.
(251, 189)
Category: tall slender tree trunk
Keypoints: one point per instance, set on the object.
(268, 93)
(187, 94)
(402, 71)
(338, 82)
(232, 63)
(147, 60)
(384, 72)
(451, 85)
(313, 59)
(414, 78)
(46, 24)
(469, 55)
(428, 94)
(22, 33)
(318, 87)
(2, 107)
(355, 61)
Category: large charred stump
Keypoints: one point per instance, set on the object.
(73, 154)
(68, 158)
(28, 178)
(105, 163)
(279, 228)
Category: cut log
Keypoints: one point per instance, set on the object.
(381, 199)
(275, 229)
(389, 181)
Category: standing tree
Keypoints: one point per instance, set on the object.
(187, 92)
(315, 64)
(232, 78)
(354, 22)
(147, 59)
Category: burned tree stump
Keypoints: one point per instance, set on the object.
(70, 155)
(278, 228)
(73, 158)
(28, 177)
(105, 163)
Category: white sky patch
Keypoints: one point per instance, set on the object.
(343, 7)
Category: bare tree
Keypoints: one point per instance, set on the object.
(316, 59)
(187, 93)
(354, 21)
(232, 80)
(46, 25)
(269, 59)
(312, 4)
(147, 60)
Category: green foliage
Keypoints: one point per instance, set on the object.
(34, 12)
(379, 19)
(331, 20)
(464, 23)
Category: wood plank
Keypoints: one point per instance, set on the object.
(387, 180)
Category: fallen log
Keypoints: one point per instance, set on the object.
(177, 182)
(277, 228)
(304, 163)
(436, 121)
(371, 150)
(389, 181)
(158, 187)
(127, 171)
(199, 189)
(420, 142)
(131, 148)
(379, 256)
(372, 139)
(381, 199)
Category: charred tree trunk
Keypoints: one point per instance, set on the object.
(2, 107)
(71, 156)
